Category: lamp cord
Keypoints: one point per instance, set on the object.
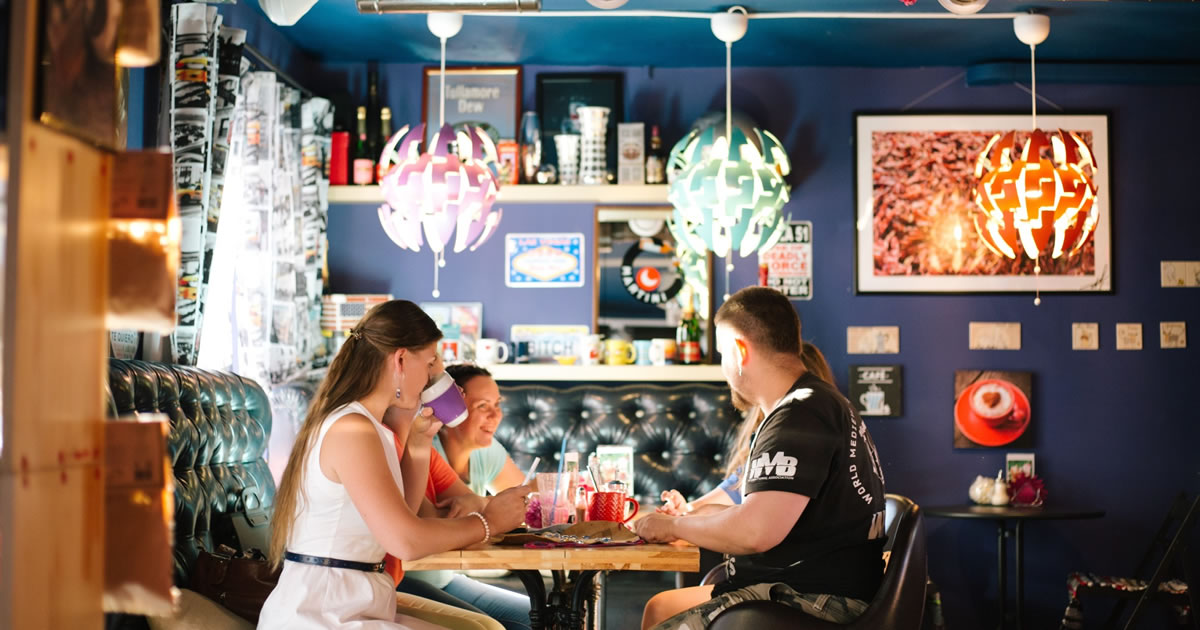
(728, 92)
(1033, 83)
(442, 105)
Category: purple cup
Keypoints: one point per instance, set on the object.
(446, 401)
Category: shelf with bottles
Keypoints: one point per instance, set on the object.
(533, 372)
(645, 194)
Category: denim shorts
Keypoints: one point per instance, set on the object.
(835, 608)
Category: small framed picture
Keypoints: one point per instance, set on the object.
(1019, 463)
(489, 98)
(461, 324)
(560, 95)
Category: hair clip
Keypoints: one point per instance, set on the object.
(355, 333)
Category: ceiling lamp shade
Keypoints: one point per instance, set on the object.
(729, 189)
(728, 195)
(448, 190)
(439, 193)
(1036, 204)
(1041, 199)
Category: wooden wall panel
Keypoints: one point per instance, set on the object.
(51, 487)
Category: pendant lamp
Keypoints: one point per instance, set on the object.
(1036, 198)
(445, 192)
(730, 189)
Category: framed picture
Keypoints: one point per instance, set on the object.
(993, 408)
(641, 279)
(488, 97)
(875, 390)
(1020, 463)
(543, 260)
(559, 95)
(461, 324)
(77, 44)
(915, 177)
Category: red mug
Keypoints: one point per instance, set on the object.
(610, 506)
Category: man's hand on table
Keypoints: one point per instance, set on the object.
(656, 528)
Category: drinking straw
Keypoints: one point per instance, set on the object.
(532, 470)
(562, 460)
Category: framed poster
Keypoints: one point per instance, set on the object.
(915, 181)
(875, 390)
(77, 44)
(559, 95)
(993, 408)
(789, 262)
(543, 260)
(484, 97)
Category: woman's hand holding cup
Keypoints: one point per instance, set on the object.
(425, 427)
(506, 511)
(673, 503)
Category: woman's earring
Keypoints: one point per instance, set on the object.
(399, 388)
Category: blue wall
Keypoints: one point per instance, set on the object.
(1114, 430)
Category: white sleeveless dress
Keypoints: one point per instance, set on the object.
(329, 526)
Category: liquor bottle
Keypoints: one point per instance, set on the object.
(374, 113)
(385, 134)
(656, 162)
(687, 334)
(364, 162)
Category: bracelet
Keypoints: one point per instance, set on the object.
(487, 530)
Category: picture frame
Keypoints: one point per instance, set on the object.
(876, 390)
(1019, 463)
(460, 321)
(560, 93)
(915, 226)
(993, 409)
(485, 96)
(623, 306)
(77, 47)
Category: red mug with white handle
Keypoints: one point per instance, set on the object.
(610, 506)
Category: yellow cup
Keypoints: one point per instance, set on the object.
(619, 352)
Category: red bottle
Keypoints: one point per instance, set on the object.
(339, 156)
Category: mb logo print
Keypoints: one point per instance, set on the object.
(777, 466)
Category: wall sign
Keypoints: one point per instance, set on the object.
(789, 262)
(543, 260)
(547, 341)
(646, 283)
(875, 390)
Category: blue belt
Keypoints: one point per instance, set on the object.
(369, 567)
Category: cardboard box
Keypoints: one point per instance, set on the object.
(631, 153)
(139, 517)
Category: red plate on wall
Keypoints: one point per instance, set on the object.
(992, 412)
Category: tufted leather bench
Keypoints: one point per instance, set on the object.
(220, 424)
(680, 434)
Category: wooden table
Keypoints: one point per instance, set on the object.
(574, 569)
(1001, 515)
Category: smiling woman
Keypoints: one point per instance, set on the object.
(471, 448)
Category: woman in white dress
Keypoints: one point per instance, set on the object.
(347, 498)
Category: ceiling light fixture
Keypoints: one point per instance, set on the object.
(1041, 194)
(434, 6)
(730, 191)
(446, 191)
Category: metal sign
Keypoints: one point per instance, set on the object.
(789, 262)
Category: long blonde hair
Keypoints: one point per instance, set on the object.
(814, 361)
(353, 374)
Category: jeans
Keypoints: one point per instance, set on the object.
(509, 608)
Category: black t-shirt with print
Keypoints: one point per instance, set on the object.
(814, 443)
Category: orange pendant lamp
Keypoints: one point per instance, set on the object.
(1039, 196)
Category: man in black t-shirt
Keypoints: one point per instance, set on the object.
(809, 532)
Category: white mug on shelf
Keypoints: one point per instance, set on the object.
(591, 349)
(491, 351)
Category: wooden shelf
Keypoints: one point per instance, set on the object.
(636, 195)
(619, 373)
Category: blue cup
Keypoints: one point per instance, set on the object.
(643, 351)
(520, 351)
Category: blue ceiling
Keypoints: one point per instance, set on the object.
(1081, 31)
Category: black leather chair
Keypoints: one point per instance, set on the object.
(220, 424)
(898, 605)
(680, 434)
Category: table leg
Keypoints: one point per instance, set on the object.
(1001, 564)
(562, 607)
(1020, 573)
(598, 600)
(536, 589)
